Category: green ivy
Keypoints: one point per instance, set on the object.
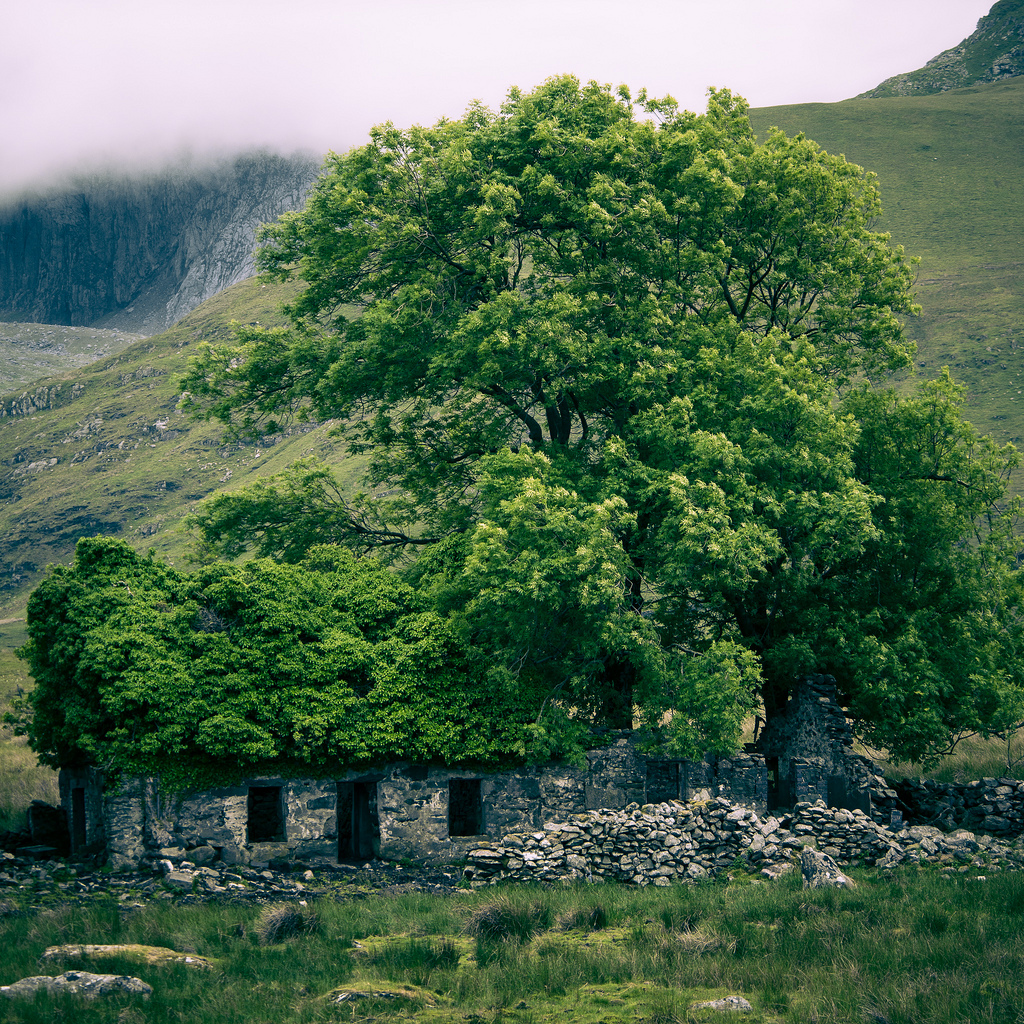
(208, 677)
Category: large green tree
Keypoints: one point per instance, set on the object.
(613, 374)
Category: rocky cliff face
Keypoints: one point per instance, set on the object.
(139, 252)
(995, 51)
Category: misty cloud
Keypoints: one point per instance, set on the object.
(122, 83)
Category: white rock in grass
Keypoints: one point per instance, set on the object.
(820, 871)
(737, 1003)
(79, 983)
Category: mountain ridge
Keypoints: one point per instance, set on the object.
(994, 51)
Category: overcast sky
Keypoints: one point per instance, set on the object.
(87, 82)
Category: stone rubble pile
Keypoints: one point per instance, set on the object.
(660, 843)
(27, 884)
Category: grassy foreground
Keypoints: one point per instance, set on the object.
(912, 946)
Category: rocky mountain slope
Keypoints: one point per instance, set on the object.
(104, 449)
(137, 252)
(995, 51)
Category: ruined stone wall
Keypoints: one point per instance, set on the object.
(661, 843)
(439, 815)
(91, 833)
(813, 726)
(410, 814)
(992, 806)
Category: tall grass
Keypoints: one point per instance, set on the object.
(972, 758)
(22, 778)
(911, 947)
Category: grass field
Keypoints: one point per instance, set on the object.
(973, 758)
(912, 947)
(951, 169)
(29, 352)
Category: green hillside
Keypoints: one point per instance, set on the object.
(951, 168)
(29, 352)
(108, 452)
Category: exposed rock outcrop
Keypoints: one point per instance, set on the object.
(139, 252)
(80, 983)
(994, 51)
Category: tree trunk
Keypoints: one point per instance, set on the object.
(617, 710)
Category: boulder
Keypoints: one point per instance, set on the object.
(735, 1003)
(81, 983)
(820, 871)
(151, 955)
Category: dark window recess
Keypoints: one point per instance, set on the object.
(79, 836)
(358, 824)
(465, 808)
(662, 781)
(266, 814)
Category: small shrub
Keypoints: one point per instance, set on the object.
(280, 921)
(507, 919)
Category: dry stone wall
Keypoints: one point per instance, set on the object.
(993, 806)
(660, 843)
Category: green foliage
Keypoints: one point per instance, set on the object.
(142, 668)
(624, 372)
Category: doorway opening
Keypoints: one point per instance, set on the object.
(79, 836)
(358, 823)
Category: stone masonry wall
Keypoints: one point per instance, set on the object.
(994, 806)
(815, 728)
(661, 843)
(405, 809)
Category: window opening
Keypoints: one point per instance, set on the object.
(266, 814)
(465, 807)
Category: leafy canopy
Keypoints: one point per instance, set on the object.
(210, 676)
(618, 377)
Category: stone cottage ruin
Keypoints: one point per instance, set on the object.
(439, 814)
